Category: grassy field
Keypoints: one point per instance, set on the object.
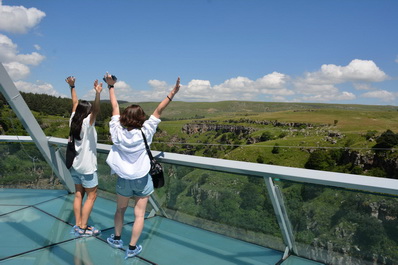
(350, 118)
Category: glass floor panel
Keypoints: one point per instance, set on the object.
(28, 229)
(37, 226)
(101, 216)
(293, 260)
(7, 209)
(78, 251)
(28, 196)
(166, 242)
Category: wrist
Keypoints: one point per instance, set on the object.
(72, 86)
(111, 86)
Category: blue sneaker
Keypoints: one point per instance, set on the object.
(132, 253)
(114, 243)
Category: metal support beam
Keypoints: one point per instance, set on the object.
(156, 207)
(21, 109)
(281, 215)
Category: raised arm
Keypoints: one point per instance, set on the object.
(158, 111)
(111, 80)
(96, 105)
(75, 101)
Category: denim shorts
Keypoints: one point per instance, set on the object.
(87, 180)
(140, 187)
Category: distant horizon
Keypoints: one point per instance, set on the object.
(332, 52)
(243, 101)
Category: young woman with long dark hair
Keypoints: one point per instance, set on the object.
(84, 167)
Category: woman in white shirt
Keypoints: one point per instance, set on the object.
(128, 158)
(84, 167)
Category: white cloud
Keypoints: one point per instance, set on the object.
(8, 49)
(280, 92)
(38, 88)
(33, 59)
(236, 84)
(330, 97)
(37, 47)
(396, 59)
(279, 99)
(356, 70)
(157, 85)
(17, 71)
(243, 88)
(9, 53)
(306, 88)
(15, 63)
(19, 19)
(321, 85)
(272, 81)
(380, 94)
(363, 86)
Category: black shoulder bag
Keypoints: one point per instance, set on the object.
(156, 170)
(70, 152)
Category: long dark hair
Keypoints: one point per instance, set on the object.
(82, 111)
(133, 117)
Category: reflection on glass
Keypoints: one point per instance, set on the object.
(106, 181)
(23, 166)
(338, 226)
(234, 205)
(82, 256)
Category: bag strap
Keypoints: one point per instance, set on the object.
(72, 139)
(146, 146)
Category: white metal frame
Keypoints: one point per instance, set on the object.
(21, 109)
(268, 172)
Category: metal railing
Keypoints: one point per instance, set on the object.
(349, 185)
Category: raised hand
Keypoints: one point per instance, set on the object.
(110, 79)
(97, 86)
(70, 80)
(176, 87)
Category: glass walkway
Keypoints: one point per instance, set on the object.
(37, 223)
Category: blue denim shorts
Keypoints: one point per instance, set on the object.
(141, 187)
(88, 181)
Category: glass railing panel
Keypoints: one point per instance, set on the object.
(235, 205)
(337, 226)
(23, 166)
(106, 182)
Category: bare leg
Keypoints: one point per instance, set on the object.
(88, 205)
(122, 203)
(139, 213)
(77, 203)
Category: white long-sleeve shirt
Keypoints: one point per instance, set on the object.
(128, 157)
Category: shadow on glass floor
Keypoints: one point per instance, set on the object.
(37, 225)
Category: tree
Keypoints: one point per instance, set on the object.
(276, 149)
(386, 140)
(320, 160)
(266, 136)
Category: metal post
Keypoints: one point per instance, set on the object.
(280, 214)
(21, 109)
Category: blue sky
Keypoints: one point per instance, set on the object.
(329, 51)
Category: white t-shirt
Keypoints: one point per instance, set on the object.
(128, 157)
(86, 159)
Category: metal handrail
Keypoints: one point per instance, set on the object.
(326, 178)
